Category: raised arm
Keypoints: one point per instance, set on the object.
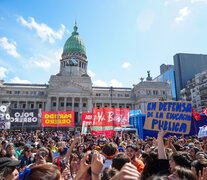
(96, 166)
(128, 172)
(161, 147)
(171, 144)
(82, 172)
(76, 140)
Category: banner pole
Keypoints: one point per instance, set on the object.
(23, 121)
(57, 120)
(195, 126)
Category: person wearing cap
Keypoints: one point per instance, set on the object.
(192, 151)
(201, 155)
(27, 158)
(8, 169)
(121, 149)
(131, 151)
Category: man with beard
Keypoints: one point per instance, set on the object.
(10, 151)
(131, 151)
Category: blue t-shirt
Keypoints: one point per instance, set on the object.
(26, 161)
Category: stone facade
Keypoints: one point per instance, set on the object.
(68, 94)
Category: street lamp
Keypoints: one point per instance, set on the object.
(111, 89)
(80, 118)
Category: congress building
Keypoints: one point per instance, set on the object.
(72, 89)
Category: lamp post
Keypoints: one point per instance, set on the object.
(111, 89)
(80, 118)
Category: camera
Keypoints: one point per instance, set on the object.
(88, 161)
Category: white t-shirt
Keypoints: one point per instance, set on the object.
(202, 132)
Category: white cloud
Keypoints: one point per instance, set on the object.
(3, 72)
(126, 65)
(100, 83)
(145, 21)
(115, 83)
(90, 73)
(43, 31)
(67, 31)
(195, 1)
(184, 12)
(166, 3)
(47, 62)
(17, 80)
(9, 47)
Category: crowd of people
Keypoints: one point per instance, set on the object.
(61, 155)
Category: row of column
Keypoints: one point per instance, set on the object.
(65, 101)
(88, 103)
(66, 63)
(27, 103)
(124, 105)
(49, 104)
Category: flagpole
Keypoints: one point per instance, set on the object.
(195, 126)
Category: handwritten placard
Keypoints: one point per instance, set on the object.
(173, 116)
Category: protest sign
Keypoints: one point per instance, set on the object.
(106, 119)
(86, 117)
(5, 116)
(24, 116)
(58, 119)
(5, 125)
(108, 116)
(173, 116)
(4, 112)
(86, 121)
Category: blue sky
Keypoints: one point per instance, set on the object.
(123, 38)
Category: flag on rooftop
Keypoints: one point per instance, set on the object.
(74, 62)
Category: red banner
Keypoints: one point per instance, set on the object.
(87, 117)
(58, 119)
(108, 133)
(105, 119)
(110, 116)
(86, 121)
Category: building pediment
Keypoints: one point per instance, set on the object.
(69, 86)
(70, 89)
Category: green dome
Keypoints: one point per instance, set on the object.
(74, 43)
